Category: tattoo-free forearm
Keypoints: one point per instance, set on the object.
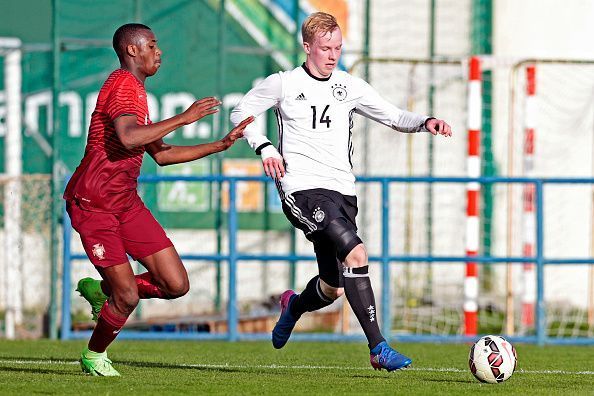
(133, 135)
(169, 155)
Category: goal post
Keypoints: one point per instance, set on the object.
(10, 49)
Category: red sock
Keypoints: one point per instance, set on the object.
(107, 329)
(147, 287)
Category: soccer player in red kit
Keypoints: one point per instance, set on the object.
(104, 206)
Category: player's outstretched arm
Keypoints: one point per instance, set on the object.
(133, 135)
(436, 126)
(165, 154)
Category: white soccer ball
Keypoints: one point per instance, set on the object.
(492, 359)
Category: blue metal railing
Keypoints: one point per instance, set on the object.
(233, 257)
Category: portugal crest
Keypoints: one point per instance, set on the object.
(99, 251)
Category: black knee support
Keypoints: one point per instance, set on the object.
(343, 236)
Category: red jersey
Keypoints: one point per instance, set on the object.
(106, 179)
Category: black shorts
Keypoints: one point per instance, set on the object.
(311, 211)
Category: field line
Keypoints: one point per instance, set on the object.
(298, 367)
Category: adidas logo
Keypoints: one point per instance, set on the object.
(300, 97)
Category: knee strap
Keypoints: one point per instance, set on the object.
(343, 236)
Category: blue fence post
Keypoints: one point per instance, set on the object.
(232, 304)
(386, 312)
(540, 303)
(67, 236)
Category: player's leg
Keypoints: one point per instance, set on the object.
(357, 286)
(99, 233)
(320, 292)
(145, 240)
(324, 288)
(112, 317)
(118, 307)
(359, 292)
(166, 278)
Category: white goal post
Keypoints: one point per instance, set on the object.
(10, 49)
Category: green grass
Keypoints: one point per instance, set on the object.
(163, 368)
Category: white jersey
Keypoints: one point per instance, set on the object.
(315, 121)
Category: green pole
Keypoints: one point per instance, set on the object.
(296, 47)
(482, 27)
(219, 156)
(139, 267)
(292, 232)
(367, 77)
(56, 179)
(430, 149)
(367, 38)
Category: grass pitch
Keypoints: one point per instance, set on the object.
(171, 367)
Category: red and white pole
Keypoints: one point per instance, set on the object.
(473, 165)
(529, 217)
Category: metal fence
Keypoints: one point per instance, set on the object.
(385, 258)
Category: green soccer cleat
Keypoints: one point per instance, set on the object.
(97, 364)
(91, 291)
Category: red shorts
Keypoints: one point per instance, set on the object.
(107, 237)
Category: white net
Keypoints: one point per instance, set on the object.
(563, 147)
(30, 273)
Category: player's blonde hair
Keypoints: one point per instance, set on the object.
(316, 23)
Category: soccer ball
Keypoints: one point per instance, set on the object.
(492, 359)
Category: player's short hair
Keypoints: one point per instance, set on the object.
(316, 23)
(125, 35)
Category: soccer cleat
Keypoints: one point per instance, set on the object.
(286, 322)
(91, 291)
(384, 357)
(97, 364)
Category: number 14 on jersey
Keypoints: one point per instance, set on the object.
(324, 119)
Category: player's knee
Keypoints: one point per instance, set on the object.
(178, 288)
(332, 292)
(356, 257)
(343, 236)
(125, 300)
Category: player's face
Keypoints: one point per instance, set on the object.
(323, 54)
(149, 53)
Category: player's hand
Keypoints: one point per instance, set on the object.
(274, 167)
(436, 126)
(199, 109)
(236, 133)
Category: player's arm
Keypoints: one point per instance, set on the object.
(133, 135)
(373, 106)
(262, 97)
(166, 154)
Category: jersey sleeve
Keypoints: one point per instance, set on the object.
(263, 96)
(123, 99)
(373, 106)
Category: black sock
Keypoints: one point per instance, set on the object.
(357, 287)
(310, 299)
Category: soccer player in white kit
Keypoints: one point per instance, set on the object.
(314, 106)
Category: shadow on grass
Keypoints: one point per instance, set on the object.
(32, 370)
(40, 360)
(140, 364)
(469, 381)
(179, 366)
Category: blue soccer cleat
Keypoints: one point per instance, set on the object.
(286, 322)
(384, 357)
